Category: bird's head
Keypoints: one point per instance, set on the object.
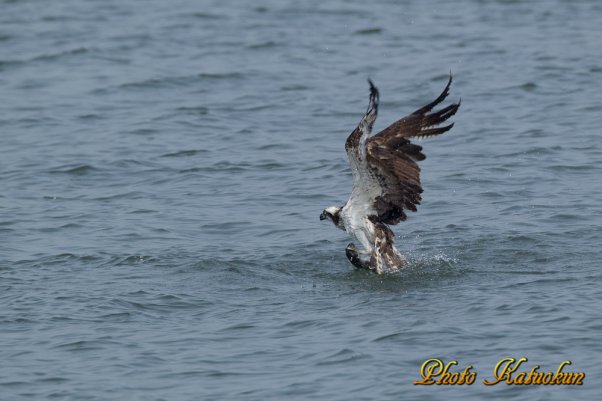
(332, 213)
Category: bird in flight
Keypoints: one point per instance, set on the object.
(386, 181)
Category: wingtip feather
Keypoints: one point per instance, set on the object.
(440, 98)
(373, 89)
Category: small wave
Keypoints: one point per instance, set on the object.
(91, 116)
(568, 217)
(56, 229)
(45, 57)
(17, 320)
(574, 167)
(128, 163)
(4, 64)
(142, 211)
(387, 337)
(294, 87)
(272, 146)
(222, 166)
(238, 327)
(55, 56)
(535, 133)
(60, 259)
(199, 110)
(536, 151)
(185, 80)
(263, 45)
(80, 169)
(208, 16)
(84, 345)
(271, 166)
(281, 232)
(319, 11)
(123, 195)
(185, 153)
(228, 226)
(155, 83)
(143, 131)
(226, 75)
(57, 18)
(528, 87)
(368, 31)
(300, 324)
(343, 356)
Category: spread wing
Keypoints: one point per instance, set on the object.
(365, 186)
(356, 141)
(385, 168)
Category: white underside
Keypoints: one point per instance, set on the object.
(359, 206)
(355, 219)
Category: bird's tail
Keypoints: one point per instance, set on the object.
(385, 257)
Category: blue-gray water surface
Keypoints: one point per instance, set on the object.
(163, 166)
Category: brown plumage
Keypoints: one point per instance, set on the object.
(394, 158)
(384, 252)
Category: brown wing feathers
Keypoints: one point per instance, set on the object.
(426, 108)
(393, 158)
(422, 124)
(399, 176)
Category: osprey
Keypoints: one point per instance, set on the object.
(386, 181)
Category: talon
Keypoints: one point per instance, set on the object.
(351, 253)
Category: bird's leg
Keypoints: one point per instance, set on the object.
(355, 259)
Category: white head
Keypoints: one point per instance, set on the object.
(333, 213)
